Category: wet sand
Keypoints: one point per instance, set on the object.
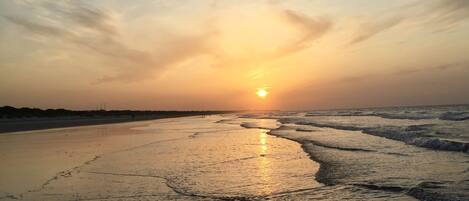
(28, 124)
(189, 158)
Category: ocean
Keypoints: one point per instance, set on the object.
(415, 151)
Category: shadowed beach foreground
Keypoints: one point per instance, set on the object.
(275, 156)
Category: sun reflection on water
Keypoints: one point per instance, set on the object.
(264, 164)
(263, 143)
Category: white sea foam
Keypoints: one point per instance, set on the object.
(439, 128)
(364, 149)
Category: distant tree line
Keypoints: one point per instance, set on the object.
(8, 112)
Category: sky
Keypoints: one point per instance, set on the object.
(217, 54)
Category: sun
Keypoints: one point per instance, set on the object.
(261, 92)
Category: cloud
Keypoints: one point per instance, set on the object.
(307, 30)
(441, 67)
(69, 16)
(93, 29)
(80, 14)
(370, 29)
(36, 28)
(179, 49)
(449, 12)
(311, 28)
(435, 14)
(407, 71)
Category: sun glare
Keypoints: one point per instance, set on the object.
(261, 92)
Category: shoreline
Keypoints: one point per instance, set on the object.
(22, 125)
(110, 158)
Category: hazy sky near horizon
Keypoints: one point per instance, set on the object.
(214, 54)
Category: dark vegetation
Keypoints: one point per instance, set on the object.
(24, 119)
(8, 112)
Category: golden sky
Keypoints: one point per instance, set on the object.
(217, 54)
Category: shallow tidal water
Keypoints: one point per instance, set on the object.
(179, 159)
(274, 156)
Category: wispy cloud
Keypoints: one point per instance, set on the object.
(448, 13)
(370, 29)
(441, 67)
(37, 28)
(436, 14)
(93, 29)
(311, 28)
(407, 71)
(308, 28)
(83, 15)
(145, 63)
(65, 17)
